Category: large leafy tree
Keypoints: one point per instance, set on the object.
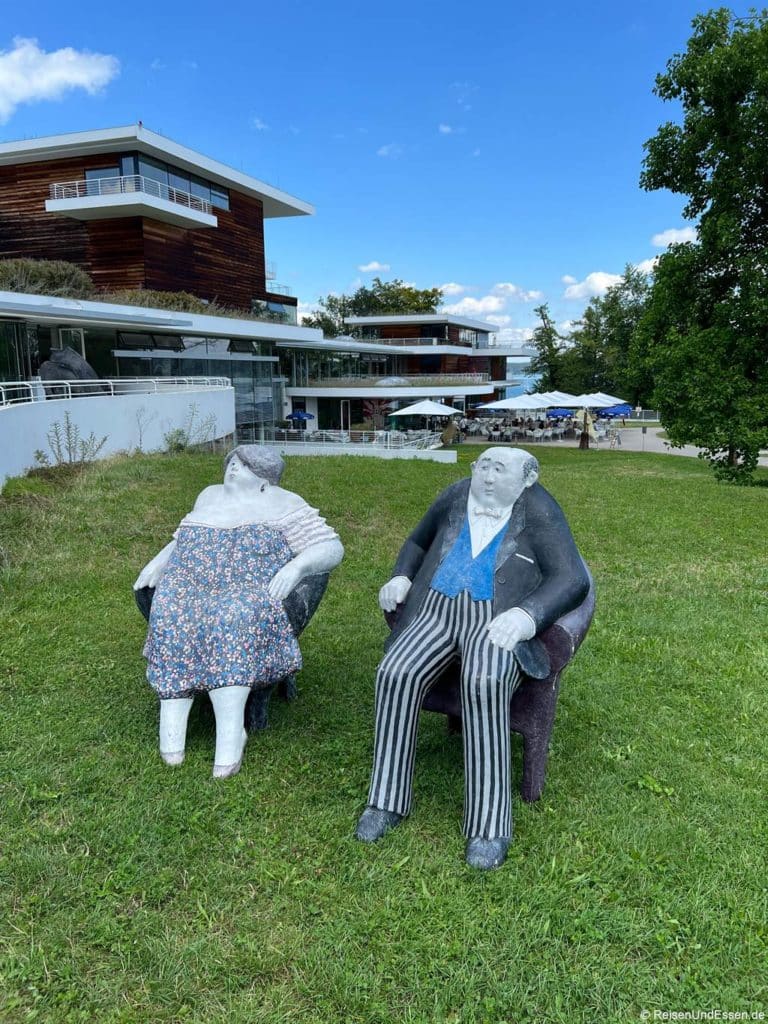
(705, 332)
(381, 298)
(604, 343)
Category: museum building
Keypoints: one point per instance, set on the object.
(137, 211)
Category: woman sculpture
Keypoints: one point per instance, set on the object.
(218, 624)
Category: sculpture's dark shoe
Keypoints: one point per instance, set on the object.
(375, 823)
(486, 854)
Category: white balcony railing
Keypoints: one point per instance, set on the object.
(16, 392)
(128, 183)
(396, 380)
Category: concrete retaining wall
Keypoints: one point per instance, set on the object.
(130, 422)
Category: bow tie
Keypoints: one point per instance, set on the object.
(492, 513)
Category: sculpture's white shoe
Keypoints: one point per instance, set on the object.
(174, 713)
(223, 771)
(229, 709)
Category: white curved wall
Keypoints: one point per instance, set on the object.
(130, 422)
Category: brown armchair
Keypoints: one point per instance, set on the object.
(534, 702)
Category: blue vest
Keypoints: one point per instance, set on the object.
(460, 571)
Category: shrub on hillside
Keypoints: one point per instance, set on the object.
(45, 277)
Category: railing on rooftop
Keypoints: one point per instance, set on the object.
(128, 183)
(397, 380)
(15, 392)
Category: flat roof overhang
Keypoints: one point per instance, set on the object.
(275, 202)
(331, 345)
(50, 309)
(134, 204)
(415, 391)
(410, 319)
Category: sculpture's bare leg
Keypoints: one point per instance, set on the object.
(229, 709)
(174, 713)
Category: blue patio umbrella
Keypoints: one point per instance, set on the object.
(559, 413)
(299, 414)
(617, 410)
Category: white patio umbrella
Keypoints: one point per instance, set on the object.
(558, 398)
(520, 403)
(427, 408)
(610, 398)
(594, 401)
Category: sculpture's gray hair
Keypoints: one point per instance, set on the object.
(263, 461)
(530, 467)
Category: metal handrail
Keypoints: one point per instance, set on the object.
(17, 392)
(411, 379)
(126, 183)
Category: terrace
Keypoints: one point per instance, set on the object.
(129, 195)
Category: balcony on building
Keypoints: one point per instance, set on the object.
(102, 196)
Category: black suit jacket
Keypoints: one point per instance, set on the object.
(538, 567)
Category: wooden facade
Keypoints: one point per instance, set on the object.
(223, 264)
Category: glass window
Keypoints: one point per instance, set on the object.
(94, 173)
(153, 169)
(128, 164)
(219, 197)
(131, 340)
(178, 179)
(200, 188)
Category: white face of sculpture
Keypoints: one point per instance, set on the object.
(498, 478)
(238, 475)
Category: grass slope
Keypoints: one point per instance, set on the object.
(131, 892)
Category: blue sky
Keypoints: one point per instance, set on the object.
(492, 147)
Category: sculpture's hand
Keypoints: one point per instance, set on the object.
(149, 575)
(394, 593)
(509, 628)
(284, 581)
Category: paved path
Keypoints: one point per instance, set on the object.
(632, 440)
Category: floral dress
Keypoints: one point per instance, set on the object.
(213, 622)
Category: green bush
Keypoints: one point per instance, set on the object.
(45, 277)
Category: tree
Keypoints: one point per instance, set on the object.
(605, 342)
(382, 298)
(547, 362)
(703, 337)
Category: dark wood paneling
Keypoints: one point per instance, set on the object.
(225, 263)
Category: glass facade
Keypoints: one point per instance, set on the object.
(250, 364)
(164, 174)
(300, 366)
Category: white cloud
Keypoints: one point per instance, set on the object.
(514, 291)
(392, 149)
(567, 279)
(566, 326)
(445, 129)
(368, 268)
(29, 74)
(259, 125)
(596, 283)
(157, 65)
(647, 266)
(672, 235)
(514, 335)
(476, 307)
(503, 320)
(452, 288)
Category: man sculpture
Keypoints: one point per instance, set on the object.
(490, 566)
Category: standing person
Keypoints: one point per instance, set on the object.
(491, 565)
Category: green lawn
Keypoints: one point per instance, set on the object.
(132, 892)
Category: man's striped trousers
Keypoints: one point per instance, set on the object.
(444, 628)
